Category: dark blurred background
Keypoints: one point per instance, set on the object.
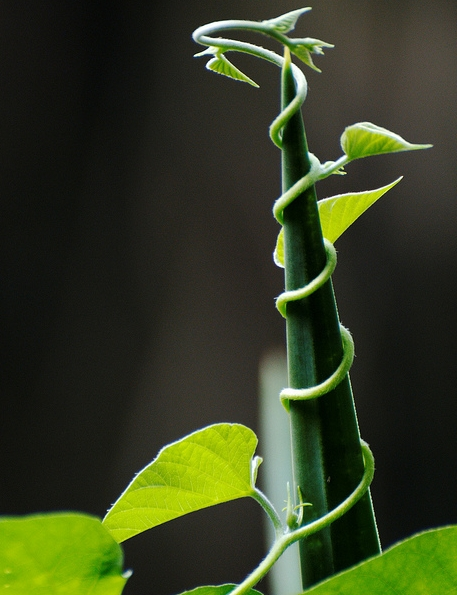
(137, 282)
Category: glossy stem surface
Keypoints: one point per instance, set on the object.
(326, 449)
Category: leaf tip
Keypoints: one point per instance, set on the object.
(286, 22)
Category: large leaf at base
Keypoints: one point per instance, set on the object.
(338, 212)
(424, 564)
(365, 139)
(59, 554)
(208, 467)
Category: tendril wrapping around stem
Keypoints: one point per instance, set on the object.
(313, 392)
(216, 47)
(289, 537)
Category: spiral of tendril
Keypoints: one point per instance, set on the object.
(330, 383)
(203, 35)
(281, 203)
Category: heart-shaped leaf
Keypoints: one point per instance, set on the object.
(365, 139)
(338, 212)
(59, 554)
(425, 563)
(208, 467)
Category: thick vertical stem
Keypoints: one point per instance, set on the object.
(326, 448)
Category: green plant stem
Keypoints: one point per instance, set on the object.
(284, 540)
(268, 507)
(327, 457)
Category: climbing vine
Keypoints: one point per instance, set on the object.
(78, 554)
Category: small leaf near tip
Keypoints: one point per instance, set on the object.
(364, 139)
(287, 21)
(209, 51)
(339, 212)
(303, 48)
(221, 65)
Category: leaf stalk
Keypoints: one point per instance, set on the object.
(288, 537)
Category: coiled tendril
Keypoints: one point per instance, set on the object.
(216, 47)
(275, 28)
(338, 375)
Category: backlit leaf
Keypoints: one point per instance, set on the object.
(423, 564)
(59, 554)
(303, 48)
(278, 255)
(286, 22)
(365, 139)
(338, 212)
(208, 467)
(221, 65)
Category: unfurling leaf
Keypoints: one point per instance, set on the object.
(286, 22)
(425, 563)
(221, 65)
(338, 212)
(303, 48)
(365, 139)
(208, 467)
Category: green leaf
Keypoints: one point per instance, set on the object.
(338, 212)
(219, 590)
(221, 65)
(208, 467)
(278, 254)
(59, 554)
(365, 139)
(303, 48)
(286, 22)
(423, 564)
